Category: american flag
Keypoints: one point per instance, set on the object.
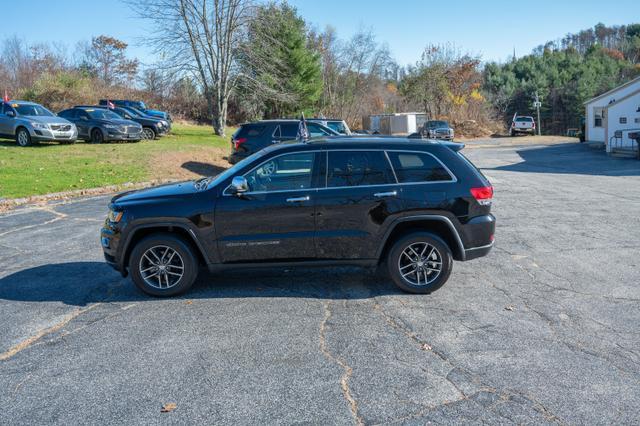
(110, 104)
(303, 132)
(6, 96)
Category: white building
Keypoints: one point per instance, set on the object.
(394, 124)
(610, 117)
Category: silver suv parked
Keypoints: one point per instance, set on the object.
(28, 122)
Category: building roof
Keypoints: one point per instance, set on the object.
(605, 94)
(617, 101)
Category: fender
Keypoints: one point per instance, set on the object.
(439, 218)
(123, 248)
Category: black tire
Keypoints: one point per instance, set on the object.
(23, 138)
(441, 253)
(138, 263)
(148, 133)
(97, 136)
(512, 133)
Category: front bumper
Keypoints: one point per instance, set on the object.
(110, 241)
(54, 135)
(116, 135)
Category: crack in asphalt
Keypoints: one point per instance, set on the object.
(30, 341)
(473, 379)
(348, 371)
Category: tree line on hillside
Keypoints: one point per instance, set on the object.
(227, 61)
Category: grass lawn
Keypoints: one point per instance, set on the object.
(49, 167)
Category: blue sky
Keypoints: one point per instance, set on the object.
(490, 28)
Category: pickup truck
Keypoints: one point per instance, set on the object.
(522, 124)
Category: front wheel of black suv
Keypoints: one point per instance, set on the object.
(420, 262)
(163, 265)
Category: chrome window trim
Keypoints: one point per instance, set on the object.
(326, 175)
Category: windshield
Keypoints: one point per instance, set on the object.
(32, 110)
(435, 124)
(133, 112)
(338, 126)
(211, 181)
(141, 105)
(102, 114)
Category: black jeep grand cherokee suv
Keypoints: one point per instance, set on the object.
(417, 205)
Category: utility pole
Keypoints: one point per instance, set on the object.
(538, 104)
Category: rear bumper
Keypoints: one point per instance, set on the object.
(478, 235)
(476, 252)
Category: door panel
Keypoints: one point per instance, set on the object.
(357, 206)
(275, 220)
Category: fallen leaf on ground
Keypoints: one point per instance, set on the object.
(425, 347)
(168, 407)
(510, 308)
(188, 302)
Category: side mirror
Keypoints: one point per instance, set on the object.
(11, 114)
(239, 185)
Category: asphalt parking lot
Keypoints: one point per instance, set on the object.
(543, 330)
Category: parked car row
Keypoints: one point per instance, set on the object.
(29, 122)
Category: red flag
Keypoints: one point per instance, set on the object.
(110, 104)
(6, 97)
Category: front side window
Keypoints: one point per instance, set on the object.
(102, 114)
(414, 167)
(357, 168)
(289, 130)
(283, 173)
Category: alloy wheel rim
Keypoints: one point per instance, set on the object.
(420, 264)
(148, 134)
(22, 138)
(161, 267)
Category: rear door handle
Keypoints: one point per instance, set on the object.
(385, 194)
(298, 199)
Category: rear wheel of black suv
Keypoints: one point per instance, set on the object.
(163, 265)
(420, 262)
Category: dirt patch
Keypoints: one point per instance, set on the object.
(190, 164)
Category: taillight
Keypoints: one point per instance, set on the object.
(513, 124)
(483, 194)
(238, 142)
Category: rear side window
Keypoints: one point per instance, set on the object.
(289, 130)
(418, 167)
(249, 131)
(356, 168)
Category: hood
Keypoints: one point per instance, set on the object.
(156, 113)
(45, 119)
(121, 122)
(171, 190)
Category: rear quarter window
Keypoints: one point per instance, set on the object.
(249, 131)
(413, 167)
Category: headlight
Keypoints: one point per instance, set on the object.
(115, 216)
(110, 126)
(37, 125)
(164, 123)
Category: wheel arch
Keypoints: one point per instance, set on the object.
(440, 226)
(180, 230)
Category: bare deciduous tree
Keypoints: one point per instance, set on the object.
(200, 37)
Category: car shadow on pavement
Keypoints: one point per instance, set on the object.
(571, 158)
(202, 169)
(82, 283)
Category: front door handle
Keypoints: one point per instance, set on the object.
(385, 194)
(298, 199)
